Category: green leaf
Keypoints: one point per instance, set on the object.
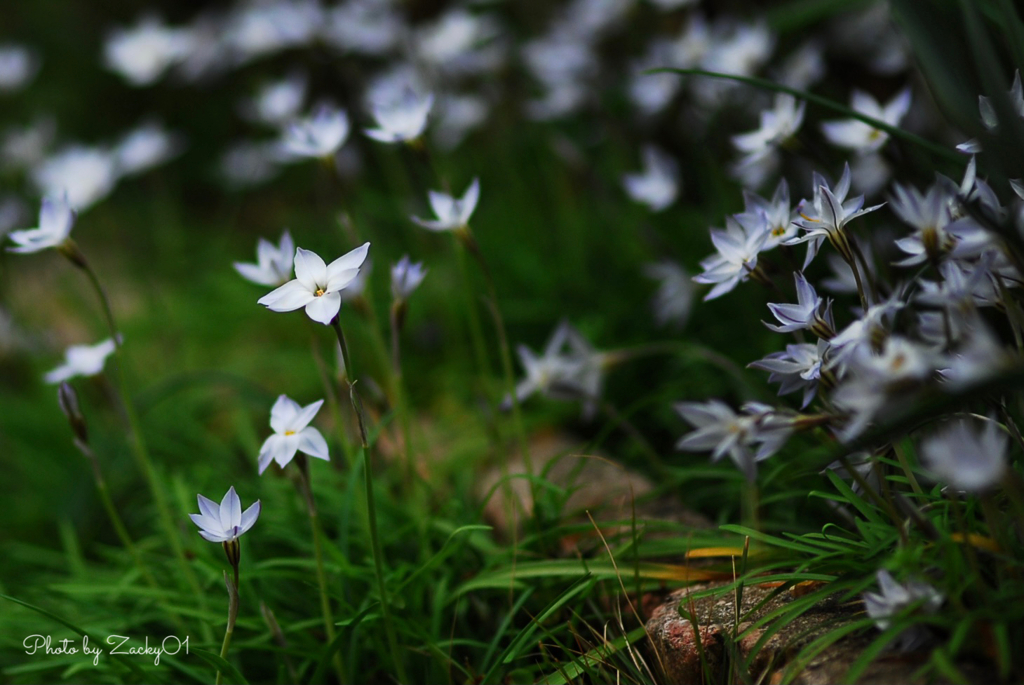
(134, 668)
(221, 665)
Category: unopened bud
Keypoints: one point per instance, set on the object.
(67, 398)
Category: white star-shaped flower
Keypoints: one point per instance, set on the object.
(403, 120)
(81, 360)
(292, 433)
(55, 221)
(273, 263)
(319, 135)
(226, 521)
(317, 286)
(452, 213)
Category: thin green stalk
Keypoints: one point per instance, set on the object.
(371, 509)
(397, 315)
(138, 441)
(506, 354)
(232, 613)
(318, 551)
(905, 465)
(332, 401)
(476, 330)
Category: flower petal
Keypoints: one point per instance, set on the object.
(230, 509)
(249, 517)
(208, 507)
(323, 309)
(282, 414)
(310, 270)
(289, 297)
(312, 443)
(304, 416)
(350, 260)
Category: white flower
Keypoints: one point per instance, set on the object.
(142, 54)
(966, 458)
(278, 101)
(738, 246)
(452, 214)
(402, 120)
(23, 148)
(82, 360)
(226, 521)
(799, 367)
(319, 135)
(831, 212)
(55, 221)
(146, 147)
(854, 134)
(674, 299)
(806, 314)
(776, 212)
(18, 66)
(292, 433)
(248, 163)
(722, 431)
(406, 276)
(778, 125)
(85, 174)
(370, 27)
(658, 185)
(897, 597)
(317, 285)
(273, 264)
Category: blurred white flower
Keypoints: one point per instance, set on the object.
(722, 431)
(803, 67)
(738, 247)
(778, 125)
(402, 120)
(674, 299)
(369, 27)
(357, 286)
(273, 263)
(55, 221)
(292, 433)
(856, 135)
(147, 146)
(739, 49)
(458, 115)
(455, 42)
(406, 276)
(319, 135)
(85, 174)
(224, 522)
(278, 101)
(658, 185)
(248, 163)
(18, 66)
(777, 214)
(81, 360)
(317, 285)
(651, 93)
(23, 148)
(965, 458)
(898, 597)
(452, 214)
(267, 27)
(143, 53)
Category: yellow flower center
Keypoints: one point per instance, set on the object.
(319, 292)
(289, 432)
(778, 231)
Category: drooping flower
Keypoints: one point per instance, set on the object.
(452, 214)
(966, 458)
(854, 134)
(56, 218)
(406, 276)
(403, 120)
(273, 263)
(658, 185)
(82, 360)
(811, 312)
(898, 597)
(738, 247)
(722, 431)
(292, 433)
(225, 522)
(319, 135)
(674, 299)
(317, 286)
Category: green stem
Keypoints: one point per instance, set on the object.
(905, 465)
(401, 396)
(232, 617)
(476, 330)
(318, 551)
(139, 444)
(506, 354)
(371, 509)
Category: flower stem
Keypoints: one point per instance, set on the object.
(401, 397)
(475, 328)
(371, 508)
(318, 552)
(138, 442)
(232, 616)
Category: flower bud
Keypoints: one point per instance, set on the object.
(67, 398)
